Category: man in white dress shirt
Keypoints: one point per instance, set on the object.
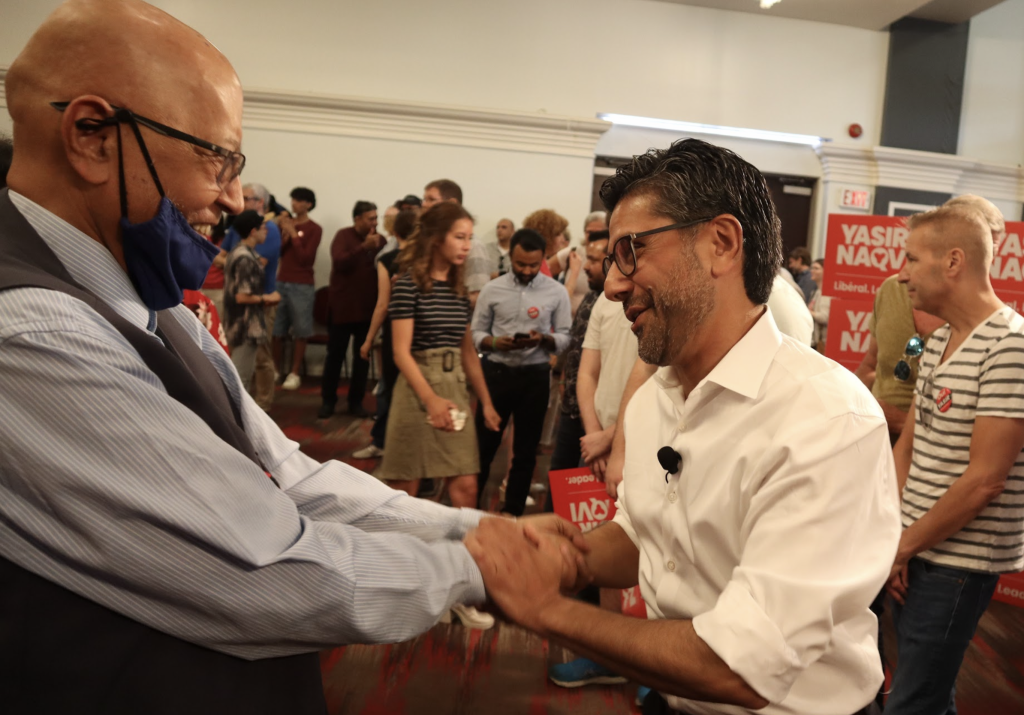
(759, 510)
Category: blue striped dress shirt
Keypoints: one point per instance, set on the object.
(114, 490)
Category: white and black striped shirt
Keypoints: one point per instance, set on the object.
(984, 377)
(440, 316)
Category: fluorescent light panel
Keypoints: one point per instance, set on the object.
(714, 129)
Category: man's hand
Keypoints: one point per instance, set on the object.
(613, 475)
(372, 241)
(557, 526)
(596, 444)
(530, 342)
(271, 298)
(504, 343)
(523, 574)
(287, 226)
(492, 420)
(600, 468)
(364, 349)
(899, 582)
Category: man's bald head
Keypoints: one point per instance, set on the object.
(125, 51)
(99, 54)
(957, 227)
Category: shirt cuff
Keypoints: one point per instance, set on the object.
(468, 520)
(474, 593)
(739, 631)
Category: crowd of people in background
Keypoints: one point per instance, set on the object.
(473, 339)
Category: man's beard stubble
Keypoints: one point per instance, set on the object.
(689, 299)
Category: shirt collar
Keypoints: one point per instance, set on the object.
(88, 262)
(744, 367)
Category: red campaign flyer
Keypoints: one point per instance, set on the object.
(580, 497)
(861, 252)
(1010, 589)
(848, 334)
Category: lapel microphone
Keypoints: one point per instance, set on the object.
(670, 461)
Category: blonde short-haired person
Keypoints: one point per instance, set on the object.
(959, 459)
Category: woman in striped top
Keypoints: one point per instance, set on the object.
(428, 434)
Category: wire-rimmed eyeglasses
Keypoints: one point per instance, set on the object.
(913, 350)
(234, 161)
(624, 252)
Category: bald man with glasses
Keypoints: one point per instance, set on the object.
(164, 548)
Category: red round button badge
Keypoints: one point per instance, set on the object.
(944, 399)
(533, 312)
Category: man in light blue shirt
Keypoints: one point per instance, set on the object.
(155, 518)
(521, 319)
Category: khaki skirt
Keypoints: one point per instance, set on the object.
(412, 448)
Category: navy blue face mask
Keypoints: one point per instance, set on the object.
(164, 255)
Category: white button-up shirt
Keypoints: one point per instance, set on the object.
(781, 526)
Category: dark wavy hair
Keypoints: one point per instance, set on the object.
(427, 237)
(692, 179)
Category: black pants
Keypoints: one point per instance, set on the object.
(567, 449)
(521, 393)
(338, 337)
(654, 704)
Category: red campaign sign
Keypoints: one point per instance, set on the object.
(862, 251)
(1010, 589)
(580, 497)
(577, 495)
(848, 334)
(1007, 279)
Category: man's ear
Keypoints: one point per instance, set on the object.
(726, 243)
(90, 145)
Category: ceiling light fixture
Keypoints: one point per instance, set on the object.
(767, 4)
(714, 129)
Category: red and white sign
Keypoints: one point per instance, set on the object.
(580, 497)
(853, 199)
(848, 334)
(862, 251)
(1010, 589)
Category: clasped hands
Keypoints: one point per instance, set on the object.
(528, 564)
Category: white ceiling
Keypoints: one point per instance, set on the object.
(867, 14)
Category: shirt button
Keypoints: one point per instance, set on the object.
(671, 565)
(672, 497)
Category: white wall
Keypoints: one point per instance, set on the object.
(992, 119)
(343, 170)
(570, 57)
(575, 57)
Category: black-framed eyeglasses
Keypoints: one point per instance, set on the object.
(234, 161)
(624, 252)
(914, 349)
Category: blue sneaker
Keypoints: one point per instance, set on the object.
(641, 694)
(580, 672)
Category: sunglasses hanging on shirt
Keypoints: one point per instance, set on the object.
(914, 349)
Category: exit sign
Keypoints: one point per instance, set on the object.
(852, 199)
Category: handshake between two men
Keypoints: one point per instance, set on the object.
(530, 567)
(530, 564)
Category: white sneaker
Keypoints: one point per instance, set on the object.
(472, 618)
(292, 382)
(370, 452)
